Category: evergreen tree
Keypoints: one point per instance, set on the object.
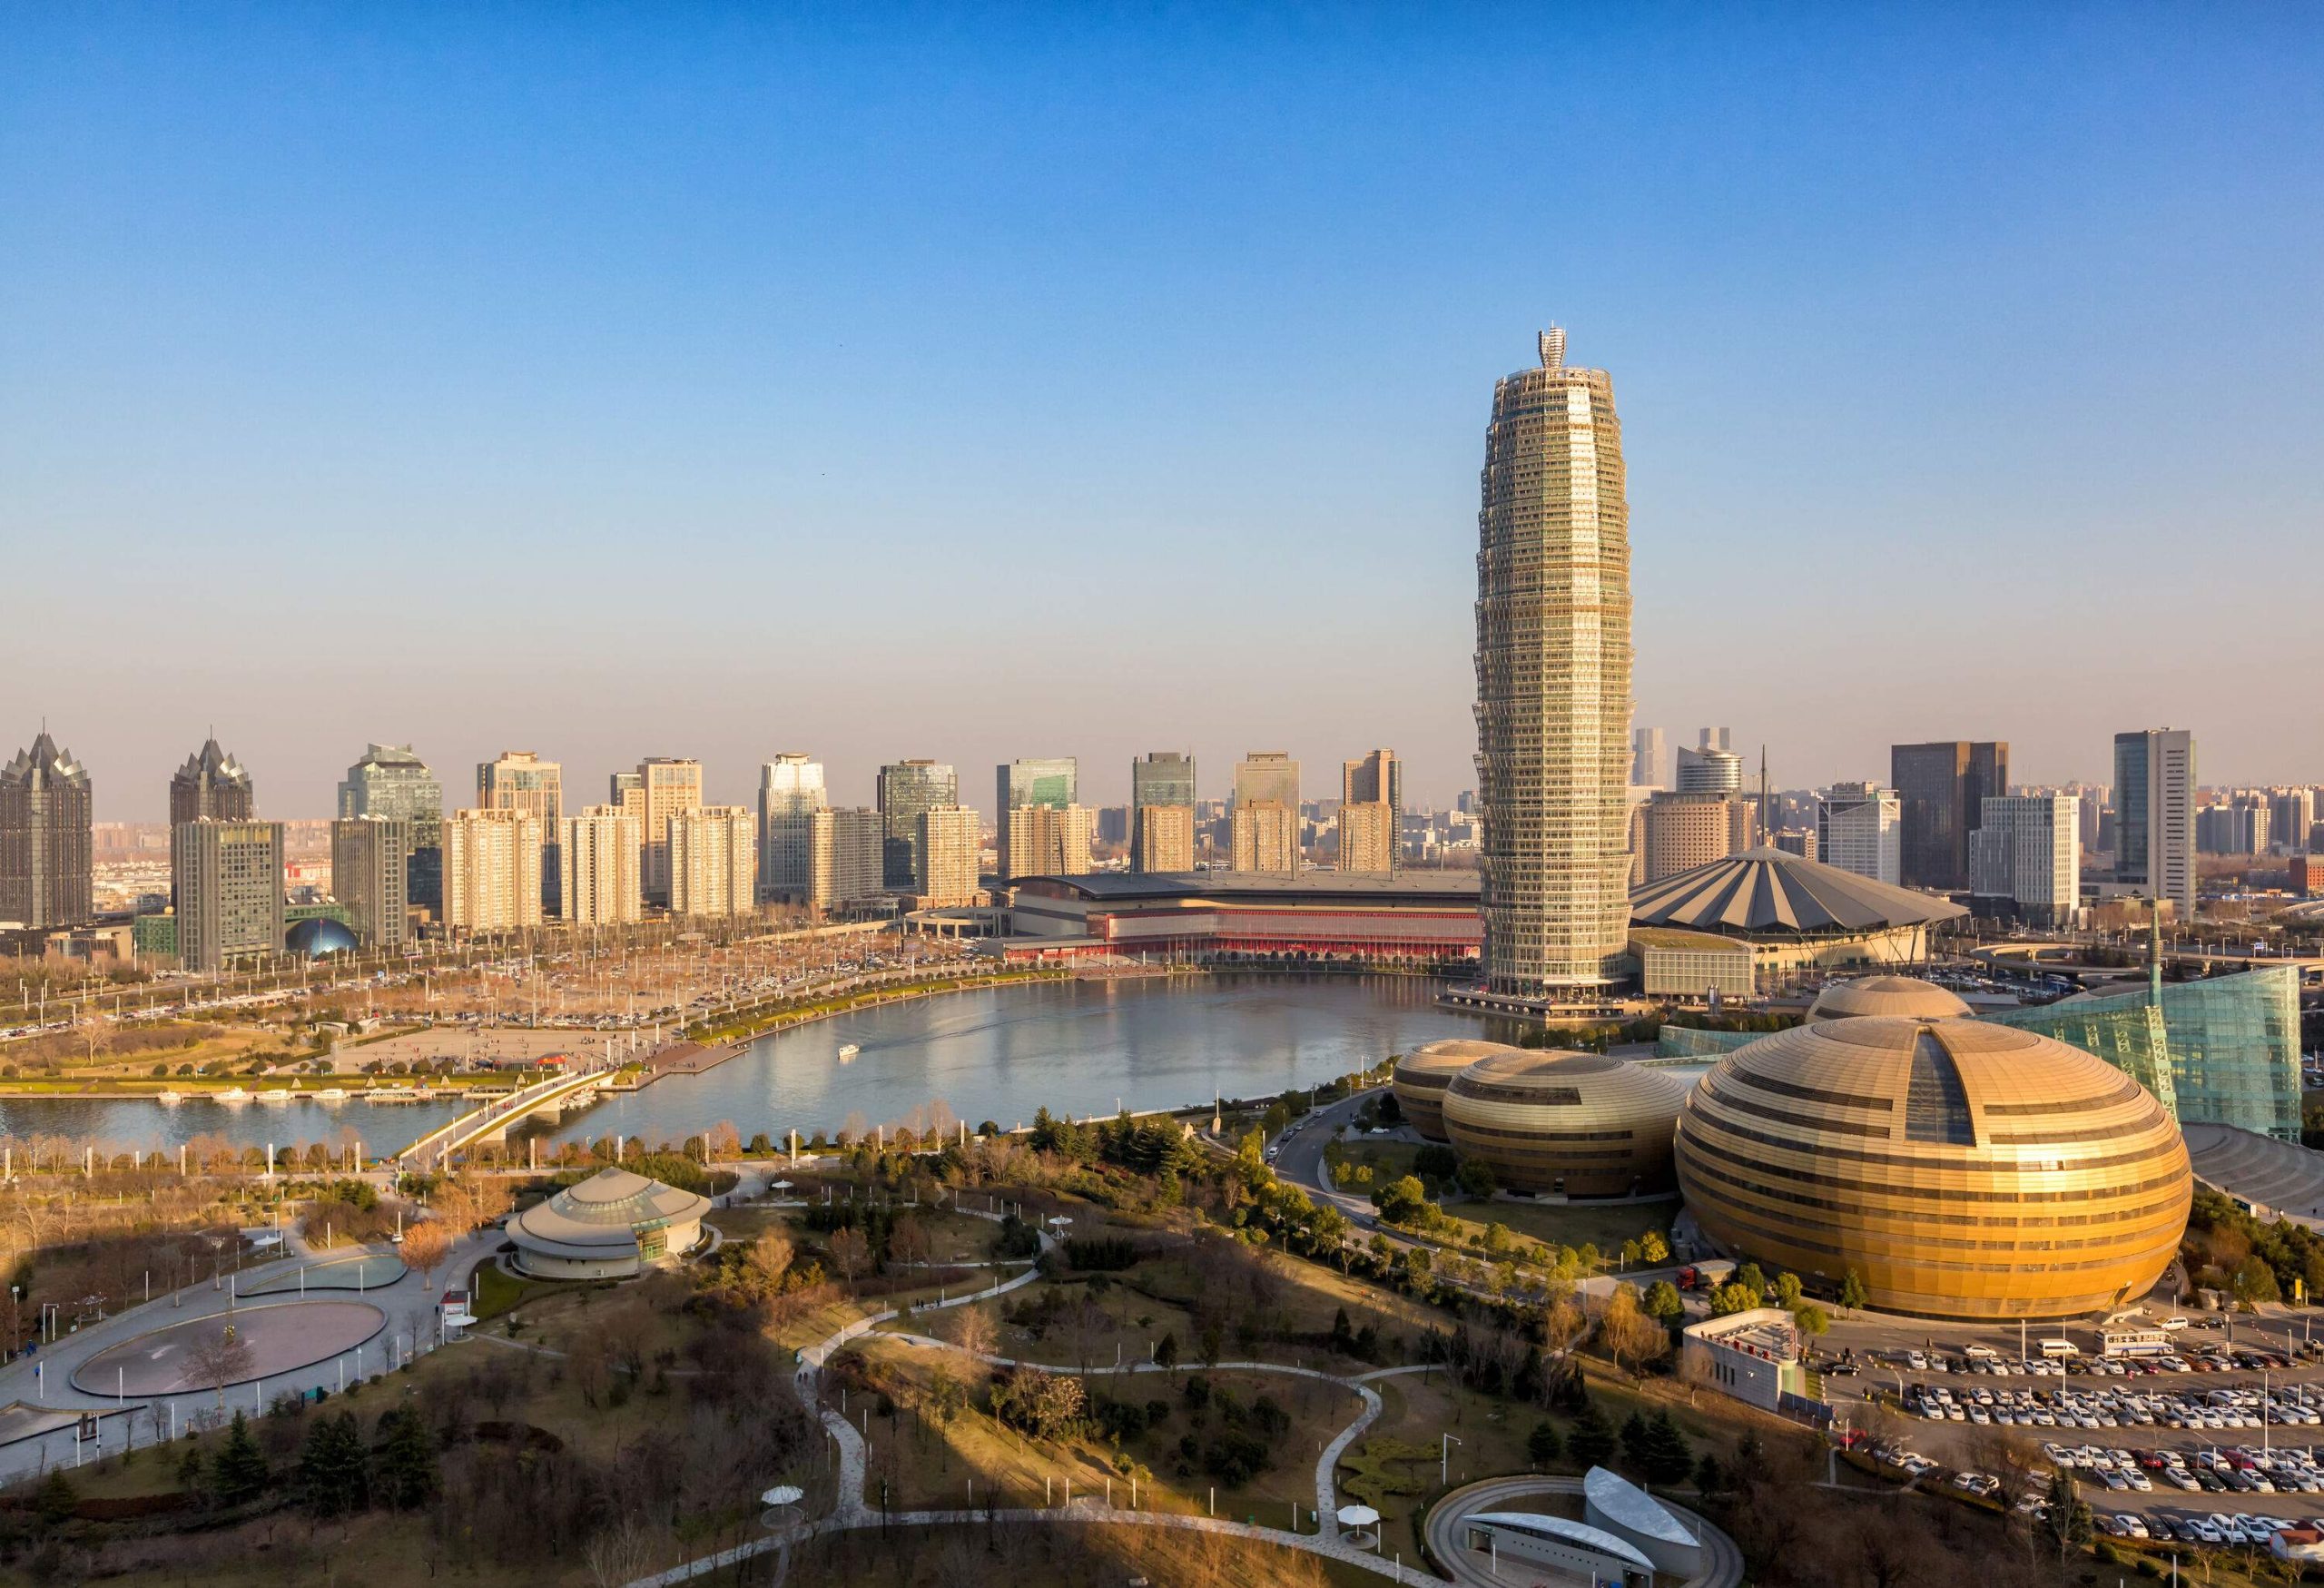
(408, 1466)
(1166, 1354)
(1665, 1458)
(1709, 1476)
(58, 1498)
(331, 1466)
(2069, 1521)
(1593, 1439)
(1634, 1438)
(1543, 1445)
(241, 1473)
(193, 1470)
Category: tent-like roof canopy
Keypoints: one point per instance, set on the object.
(1768, 892)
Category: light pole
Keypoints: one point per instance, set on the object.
(1444, 1458)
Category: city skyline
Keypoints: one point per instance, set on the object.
(297, 298)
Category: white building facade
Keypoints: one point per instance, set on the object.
(790, 791)
(1859, 828)
(2026, 854)
(714, 861)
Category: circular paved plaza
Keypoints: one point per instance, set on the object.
(183, 1358)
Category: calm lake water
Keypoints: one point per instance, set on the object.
(1074, 1047)
(998, 1054)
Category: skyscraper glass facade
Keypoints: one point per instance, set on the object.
(392, 782)
(908, 789)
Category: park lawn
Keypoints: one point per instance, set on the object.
(495, 1291)
(1605, 1225)
(1314, 1293)
(1387, 1161)
(926, 1466)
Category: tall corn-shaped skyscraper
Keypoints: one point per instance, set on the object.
(1553, 680)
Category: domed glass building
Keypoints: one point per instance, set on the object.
(1567, 1124)
(1900, 995)
(1962, 1169)
(317, 936)
(1423, 1074)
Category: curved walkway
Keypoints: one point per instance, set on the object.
(1722, 1561)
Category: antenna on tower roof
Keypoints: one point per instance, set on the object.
(1552, 349)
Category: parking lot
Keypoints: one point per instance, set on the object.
(2211, 1442)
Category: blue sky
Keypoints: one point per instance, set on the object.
(618, 381)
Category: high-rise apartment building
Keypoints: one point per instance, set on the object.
(1859, 828)
(1554, 681)
(227, 877)
(714, 861)
(370, 874)
(905, 789)
(2291, 815)
(1263, 837)
(2025, 857)
(1268, 774)
(1054, 783)
(1163, 839)
(212, 786)
(1942, 788)
(1162, 780)
(2238, 826)
(601, 854)
(492, 870)
(1650, 753)
(1050, 841)
(1367, 837)
(790, 791)
(2154, 816)
(1799, 840)
(1680, 832)
(391, 782)
(669, 784)
(1376, 779)
(521, 781)
(948, 846)
(846, 858)
(46, 849)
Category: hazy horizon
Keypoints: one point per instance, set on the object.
(978, 385)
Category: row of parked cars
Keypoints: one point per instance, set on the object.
(2219, 1527)
(2210, 1359)
(2210, 1410)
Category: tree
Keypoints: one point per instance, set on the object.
(1165, 1351)
(2069, 1521)
(1789, 1290)
(1812, 1319)
(241, 1473)
(1750, 1277)
(1853, 1294)
(426, 1245)
(851, 1253)
(1476, 1180)
(973, 1331)
(331, 1466)
(1543, 1445)
(1593, 1439)
(1729, 1300)
(1664, 1455)
(219, 1360)
(1652, 1248)
(58, 1499)
(1632, 1338)
(1663, 1303)
(409, 1473)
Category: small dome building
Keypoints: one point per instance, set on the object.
(611, 1226)
(1899, 995)
(318, 936)
(1963, 1170)
(1567, 1124)
(1423, 1074)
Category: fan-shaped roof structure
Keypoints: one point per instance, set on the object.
(1769, 893)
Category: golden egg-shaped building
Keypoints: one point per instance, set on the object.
(1423, 1074)
(1566, 1124)
(1962, 1169)
(1899, 995)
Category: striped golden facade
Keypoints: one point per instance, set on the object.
(1900, 995)
(1423, 1074)
(1566, 1124)
(1963, 1170)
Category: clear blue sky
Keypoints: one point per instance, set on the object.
(617, 381)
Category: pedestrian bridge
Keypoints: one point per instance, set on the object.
(573, 1089)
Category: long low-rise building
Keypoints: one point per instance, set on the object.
(1424, 919)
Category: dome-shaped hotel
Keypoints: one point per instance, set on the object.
(1566, 1124)
(1962, 1169)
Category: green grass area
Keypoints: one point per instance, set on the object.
(498, 1292)
(1575, 1224)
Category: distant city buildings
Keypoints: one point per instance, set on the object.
(602, 853)
(847, 859)
(46, 823)
(713, 860)
(1047, 840)
(1162, 812)
(2026, 856)
(947, 849)
(521, 781)
(227, 877)
(212, 786)
(1650, 756)
(1367, 837)
(1682, 831)
(667, 786)
(2291, 819)
(2154, 816)
(1711, 766)
(1859, 828)
(1052, 783)
(492, 870)
(790, 791)
(1940, 790)
(391, 782)
(905, 789)
(1553, 682)
(370, 874)
(1263, 834)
